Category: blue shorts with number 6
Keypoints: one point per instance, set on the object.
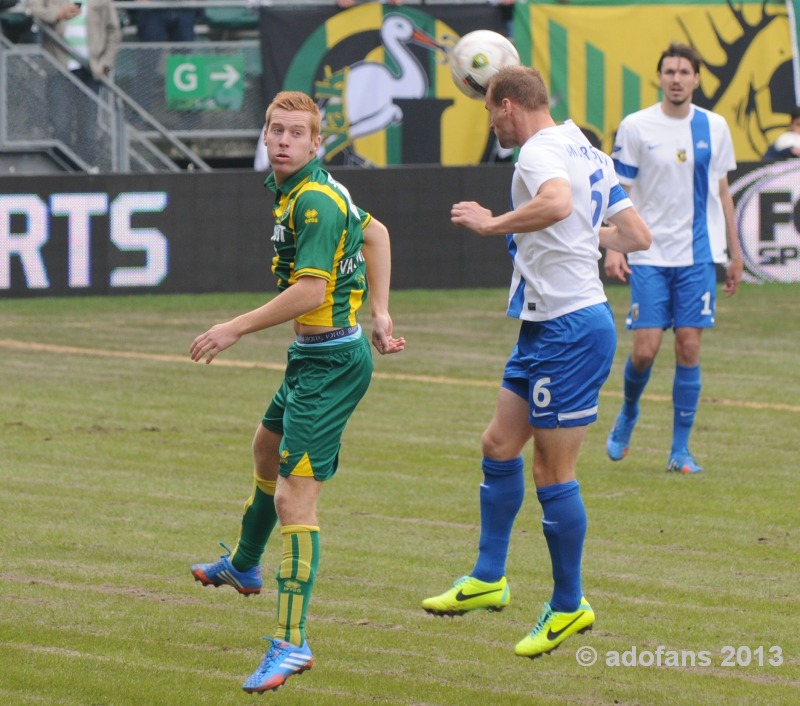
(672, 297)
(560, 365)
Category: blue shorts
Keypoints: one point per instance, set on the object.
(672, 297)
(560, 365)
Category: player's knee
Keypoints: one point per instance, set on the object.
(643, 358)
(266, 446)
(687, 351)
(497, 446)
(489, 444)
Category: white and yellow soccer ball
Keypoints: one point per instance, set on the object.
(478, 56)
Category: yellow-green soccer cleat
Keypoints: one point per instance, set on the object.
(553, 628)
(467, 594)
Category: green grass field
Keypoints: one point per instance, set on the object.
(122, 463)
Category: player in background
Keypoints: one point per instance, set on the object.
(787, 146)
(326, 252)
(562, 191)
(674, 159)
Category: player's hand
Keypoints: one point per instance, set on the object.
(616, 266)
(211, 343)
(69, 12)
(733, 277)
(382, 337)
(470, 215)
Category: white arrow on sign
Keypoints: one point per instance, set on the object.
(230, 76)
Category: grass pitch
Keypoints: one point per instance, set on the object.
(122, 463)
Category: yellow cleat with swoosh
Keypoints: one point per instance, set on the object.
(467, 594)
(553, 628)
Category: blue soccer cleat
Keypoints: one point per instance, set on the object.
(282, 661)
(683, 462)
(222, 572)
(619, 440)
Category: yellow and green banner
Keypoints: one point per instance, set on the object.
(600, 59)
(381, 77)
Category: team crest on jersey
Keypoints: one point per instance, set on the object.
(681, 155)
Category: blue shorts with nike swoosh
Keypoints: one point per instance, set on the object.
(672, 297)
(560, 365)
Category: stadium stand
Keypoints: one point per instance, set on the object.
(138, 128)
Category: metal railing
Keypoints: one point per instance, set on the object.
(48, 109)
(131, 125)
(142, 71)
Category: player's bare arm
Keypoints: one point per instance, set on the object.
(733, 275)
(626, 232)
(303, 296)
(552, 203)
(378, 256)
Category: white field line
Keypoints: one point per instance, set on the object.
(31, 346)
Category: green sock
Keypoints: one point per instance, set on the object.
(258, 521)
(296, 576)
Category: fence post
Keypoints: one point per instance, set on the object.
(120, 138)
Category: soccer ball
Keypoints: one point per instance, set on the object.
(478, 56)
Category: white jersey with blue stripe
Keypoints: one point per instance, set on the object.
(673, 167)
(556, 269)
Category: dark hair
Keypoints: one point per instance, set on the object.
(794, 114)
(683, 51)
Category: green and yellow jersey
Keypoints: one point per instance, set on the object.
(319, 232)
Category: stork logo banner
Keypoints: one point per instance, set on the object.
(381, 78)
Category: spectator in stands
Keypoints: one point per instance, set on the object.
(92, 31)
(159, 25)
(16, 26)
(165, 25)
(788, 144)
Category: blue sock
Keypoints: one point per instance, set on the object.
(685, 396)
(634, 385)
(502, 492)
(564, 526)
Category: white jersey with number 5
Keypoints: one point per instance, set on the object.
(556, 269)
(673, 167)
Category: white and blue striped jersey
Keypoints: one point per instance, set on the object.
(674, 167)
(556, 269)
